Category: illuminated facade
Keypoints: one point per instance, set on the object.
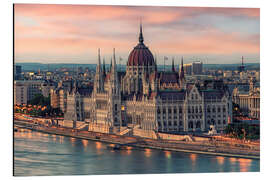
(146, 99)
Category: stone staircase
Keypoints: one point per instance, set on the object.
(83, 127)
(126, 131)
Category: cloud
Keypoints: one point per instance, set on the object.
(77, 29)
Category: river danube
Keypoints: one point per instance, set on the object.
(38, 153)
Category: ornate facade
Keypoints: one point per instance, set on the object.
(146, 99)
(248, 100)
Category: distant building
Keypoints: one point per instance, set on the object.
(59, 99)
(242, 68)
(187, 69)
(248, 99)
(17, 72)
(197, 68)
(227, 74)
(194, 68)
(26, 90)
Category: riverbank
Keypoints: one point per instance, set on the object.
(211, 148)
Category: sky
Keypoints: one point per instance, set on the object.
(73, 33)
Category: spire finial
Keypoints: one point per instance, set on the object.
(99, 57)
(173, 69)
(182, 74)
(114, 60)
(141, 35)
(104, 68)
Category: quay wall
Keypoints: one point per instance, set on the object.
(144, 133)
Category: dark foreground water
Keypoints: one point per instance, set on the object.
(38, 153)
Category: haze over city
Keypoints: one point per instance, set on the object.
(73, 33)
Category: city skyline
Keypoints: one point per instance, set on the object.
(73, 33)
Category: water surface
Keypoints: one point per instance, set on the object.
(37, 153)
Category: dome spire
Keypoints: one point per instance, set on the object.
(141, 35)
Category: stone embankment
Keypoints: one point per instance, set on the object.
(213, 146)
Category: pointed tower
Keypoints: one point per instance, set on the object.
(173, 69)
(104, 69)
(114, 77)
(182, 76)
(115, 95)
(98, 83)
(141, 35)
(111, 65)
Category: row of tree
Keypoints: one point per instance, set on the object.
(39, 99)
(243, 131)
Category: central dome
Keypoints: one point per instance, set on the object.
(141, 55)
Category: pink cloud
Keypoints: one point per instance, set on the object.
(76, 29)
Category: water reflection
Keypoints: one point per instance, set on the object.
(72, 141)
(168, 154)
(147, 152)
(98, 145)
(61, 139)
(220, 160)
(244, 164)
(193, 157)
(85, 143)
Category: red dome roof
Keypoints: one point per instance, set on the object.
(141, 56)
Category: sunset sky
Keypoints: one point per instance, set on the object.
(73, 33)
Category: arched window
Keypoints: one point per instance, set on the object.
(190, 125)
(198, 124)
(208, 109)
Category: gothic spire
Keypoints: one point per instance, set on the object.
(114, 60)
(111, 65)
(173, 69)
(104, 68)
(98, 65)
(141, 35)
(182, 74)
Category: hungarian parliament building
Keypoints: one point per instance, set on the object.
(147, 99)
